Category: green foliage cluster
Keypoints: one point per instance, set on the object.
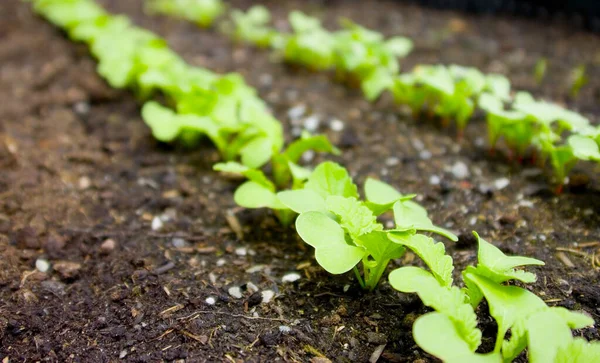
(344, 228)
(202, 12)
(450, 332)
(453, 92)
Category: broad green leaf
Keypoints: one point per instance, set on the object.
(379, 246)
(437, 335)
(547, 332)
(299, 174)
(410, 215)
(254, 175)
(508, 304)
(257, 152)
(376, 83)
(382, 196)
(578, 350)
(302, 200)
(584, 148)
(399, 46)
(517, 343)
(253, 195)
(498, 85)
(432, 253)
(318, 143)
(355, 218)
(328, 238)
(329, 178)
(495, 265)
(161, 121)
(574, 320)
(301, 22)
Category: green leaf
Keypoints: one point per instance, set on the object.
(499, 86)
(253, 195)
(578, 350)
(161, 120)
(547, 332)
(318, 143)
(254, 175)
(584, 148)
(433, 254)
(573, 319)
(376, 83)
(301, 22)
(437, 335)
(379, 246)
(257, 152)
(495, 265)
(382, 196)
(355, 218)
(399, 46)
(329, 178)
(508, 304)
(410, 215)
(327, 237)
(302, 200)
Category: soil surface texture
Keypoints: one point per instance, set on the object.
(115, 247)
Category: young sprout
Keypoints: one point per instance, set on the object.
(310, 45)
(578, 79)
(252, 27)
(202, 12)
(539, 71)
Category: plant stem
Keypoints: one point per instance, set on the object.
(358, 277)
(375, 275)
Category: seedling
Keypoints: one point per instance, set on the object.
(252, 27)
(539, 71)
(310, 45)
(202, 12)
(579, 79)
(344, 230)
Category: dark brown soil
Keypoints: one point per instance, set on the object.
(82, 180)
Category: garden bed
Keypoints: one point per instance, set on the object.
(83, 186)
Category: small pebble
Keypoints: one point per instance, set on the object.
(235, 291)
(221, 262)
(425, 154)
(210, 300)
(108, 246)
(312, 123)
(296, 112)
(251, 287)
(418, 144)
(291, 277)
(460, 170)
(267, 296)
(501, 183)
(255, 268)
(285, 329)
(266, 79)
(81, 108)
(84, 182)
(336, 125)
(157, 223)
(42, 265)
(296, 131)
(434, 180)
(392, 161)
(241, 251)
(308, 156)
(179, 242)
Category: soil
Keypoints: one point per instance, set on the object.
(82, 184)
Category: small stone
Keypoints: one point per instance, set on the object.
(81, 108)
(296, 131)
(460, 170)
(157, 223)
(296, 112)
(123, 354)
(108, 246)
(67, 269)
(221, 262)
(434, 180)
(266, 79)
(376, 338)
(210, 300)
(241, 251)
(291, 277)
(267, 296)
(254, 299)
(392, 161)
(312, 123)
(235, 291)
(179, 242)
(285, 329)
(42, 265)
(84, 182)
(336, 125)
(251, 287)
(308, 156)
(425, 154)
(418, 144)
(255, 268)
(501, 183)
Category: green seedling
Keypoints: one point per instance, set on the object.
(579, 79)
(68, 13)
(344, 230)
(539, 71)
(252, 27)
(310, 44)
(202, 12)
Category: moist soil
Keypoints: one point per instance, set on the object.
(142, 237)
